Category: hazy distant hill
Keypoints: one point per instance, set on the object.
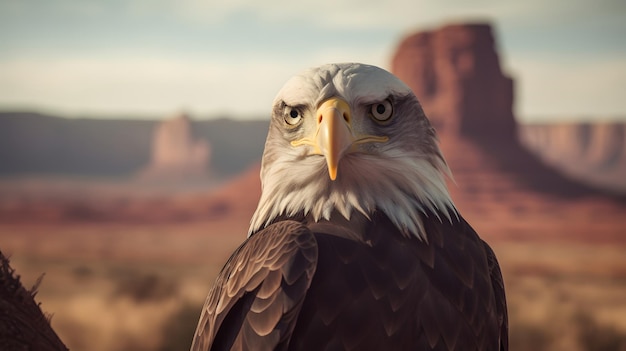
(36, 144)
(235, 144)
(590, 152)
(32, 143)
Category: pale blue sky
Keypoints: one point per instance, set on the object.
(155, 57)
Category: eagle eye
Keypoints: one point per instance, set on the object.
(292, 116)
(381, 111)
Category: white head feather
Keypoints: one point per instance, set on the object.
(404, 177)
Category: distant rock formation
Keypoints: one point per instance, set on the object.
(176, 155)
(591, 152)
(455, 73)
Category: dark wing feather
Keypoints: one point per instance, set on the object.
(256, 298)
(464, 305)
(498, 289)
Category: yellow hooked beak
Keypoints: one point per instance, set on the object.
(334, 136)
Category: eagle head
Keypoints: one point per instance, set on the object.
(351, 138)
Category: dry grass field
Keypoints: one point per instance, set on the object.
(120, 287)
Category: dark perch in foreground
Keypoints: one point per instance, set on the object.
(23, 326)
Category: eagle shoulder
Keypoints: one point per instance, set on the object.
(498, 288)
(464, 275)
(257, 296)
(388, 291)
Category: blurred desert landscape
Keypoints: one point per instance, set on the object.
(131, 220)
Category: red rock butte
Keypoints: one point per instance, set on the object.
(501, 186)
(455, 73)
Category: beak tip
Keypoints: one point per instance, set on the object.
(332, 173)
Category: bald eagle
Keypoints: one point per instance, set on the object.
(356, 243)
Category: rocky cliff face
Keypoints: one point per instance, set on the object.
(590, 152)
(176, 155)
(455, 73)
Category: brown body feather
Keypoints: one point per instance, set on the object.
(320, 286)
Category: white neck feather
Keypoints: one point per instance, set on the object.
(403, 186)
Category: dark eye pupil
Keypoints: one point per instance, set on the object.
(293, 114)
(380, 109)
